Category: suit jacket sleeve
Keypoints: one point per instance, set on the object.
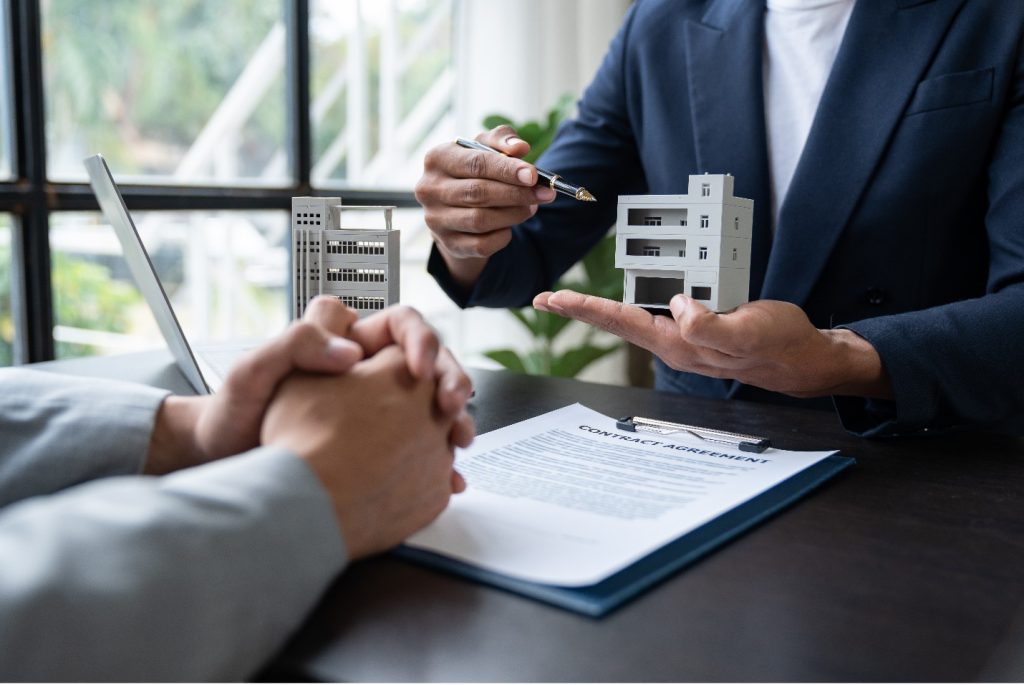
(59, 431)
(959, 363)
(197, 576)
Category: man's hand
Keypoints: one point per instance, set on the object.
(424, 354)
(425, 357)
(765, 343)
(193, 430)
(330, 339)
(472, 199)
(376, 440)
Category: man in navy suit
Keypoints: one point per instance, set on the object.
(882, 142)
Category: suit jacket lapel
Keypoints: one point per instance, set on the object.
(723, 57)
(886, 50)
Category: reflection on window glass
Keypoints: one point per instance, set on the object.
(190, 91)
(226, 274)
(5, 98)
(382, 83)
(6, 277)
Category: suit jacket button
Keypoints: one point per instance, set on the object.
(875, 296)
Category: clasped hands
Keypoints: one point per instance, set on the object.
(374, 406)
(766, 343)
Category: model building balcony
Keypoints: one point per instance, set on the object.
(697, 243)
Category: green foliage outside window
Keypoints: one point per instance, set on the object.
(139, 79)
(85, 296)
(547, 355)
(6, 316)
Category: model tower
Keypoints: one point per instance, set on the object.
(697, 244)
(357, 265)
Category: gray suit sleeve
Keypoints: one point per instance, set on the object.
(200, 575)
(57, 431)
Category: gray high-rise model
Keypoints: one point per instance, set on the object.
(357, 265)
(697, 244)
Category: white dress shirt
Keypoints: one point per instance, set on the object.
(801, 39)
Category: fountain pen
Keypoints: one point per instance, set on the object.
(554, 181)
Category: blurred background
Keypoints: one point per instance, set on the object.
(213, 113)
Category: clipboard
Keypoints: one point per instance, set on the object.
(741, 441)
(613, 591)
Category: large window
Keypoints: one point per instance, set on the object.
(212, 114)
(215, 113)
(382, 83)
(189, 91)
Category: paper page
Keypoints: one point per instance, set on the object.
(567, 498)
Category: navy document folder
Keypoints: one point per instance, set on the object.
(669, 499)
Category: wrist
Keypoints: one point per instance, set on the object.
(860, 369)
(306, 446)
(464, 270)
(173, 445)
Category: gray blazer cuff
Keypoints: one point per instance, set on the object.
(59, 431)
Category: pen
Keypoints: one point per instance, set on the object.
(555, 182)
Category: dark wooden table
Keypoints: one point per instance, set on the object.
(909, 566)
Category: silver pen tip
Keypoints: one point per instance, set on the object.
(583, 195)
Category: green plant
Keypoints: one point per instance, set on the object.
(547, 356)
(538, 134)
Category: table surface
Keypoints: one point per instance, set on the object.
(909, 566)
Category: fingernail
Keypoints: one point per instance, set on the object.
(513, 140)
(533, 209)
(677, 305)
(525, 176)
(555, 308)
(342, 348)
(544, 194)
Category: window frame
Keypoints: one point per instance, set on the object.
(31, 197)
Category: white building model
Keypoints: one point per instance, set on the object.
(359, 266)
(697, 244)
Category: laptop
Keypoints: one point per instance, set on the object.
(205, 367)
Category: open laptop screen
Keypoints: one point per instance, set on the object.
(142, 271)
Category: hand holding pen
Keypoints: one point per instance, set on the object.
(549, 178)
(473, 197)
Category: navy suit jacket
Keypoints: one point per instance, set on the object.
(905, 217)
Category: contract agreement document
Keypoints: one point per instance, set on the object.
(568, 499)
